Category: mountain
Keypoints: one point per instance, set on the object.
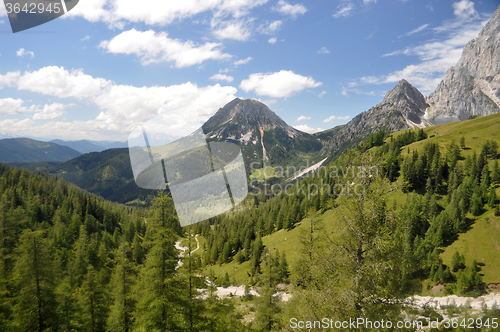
(82, 146)
(28, 150)
(107, 173)
(472, 86)
(262, 135)
(86, 146)
(403, 107)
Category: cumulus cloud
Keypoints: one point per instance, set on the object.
(152, 47)
(22, 52)
(285, 8)
(272, 40)
(464, 10)
(279, 84)
(303, 118)
(10, 106)
(9, 79)
(51, 111)
(57, 81)
(335, 118)
(222, 77)
(323, 50)
(439, 53)
(242, 61)
(270, 28)
(344, 9)
(307, 129)
(236, 30)
(119, 13)
(122, 107)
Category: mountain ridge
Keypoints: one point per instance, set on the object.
(28, 150)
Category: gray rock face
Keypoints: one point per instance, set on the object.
(403, 107)
(472, 86)
(262, 135)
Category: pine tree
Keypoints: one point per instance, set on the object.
(138, 252)
(462, 142)
(477, 205)
(492, 198)
(93, 301)
(267, 307)
(495, 175)
(120, 316)
(159, 291)
(35, 302)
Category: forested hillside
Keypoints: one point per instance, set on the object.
(434, 186)
(72, 262)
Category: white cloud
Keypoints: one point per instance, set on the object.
(344, 10)
(22, 52)
(322, 94)
(10, 106)
(3, 12)
(303, 118)
(153, 12)
(270, 28)
(335, 118)
(366, 2)
(153, 47)
(285, 8)
(437, 55)
(9, 79)
(464, 10)
(222, 77)
(52, 111)
(236, 30)
(57, 81)
(122, 107)
(323, 50)
(417, 30)
(307, 129)
(87, 37)
(279, 84)
(242, 61)
(272, 40)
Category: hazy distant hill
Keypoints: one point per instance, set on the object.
(107, 173)
(86, 146)
(28, 150)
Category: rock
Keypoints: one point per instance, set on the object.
(472, 86)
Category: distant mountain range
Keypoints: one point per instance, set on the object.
(28, 150)
(472, 87)
(86, 146)
(107, 173)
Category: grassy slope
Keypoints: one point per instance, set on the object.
(481, 242)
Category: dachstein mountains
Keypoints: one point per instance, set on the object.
(471, 87)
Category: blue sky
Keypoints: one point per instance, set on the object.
(109, 65)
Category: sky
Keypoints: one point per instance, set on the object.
(108, 66)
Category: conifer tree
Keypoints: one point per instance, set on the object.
(120, 316)
(158, 292)
(35, 302)
(495, 175)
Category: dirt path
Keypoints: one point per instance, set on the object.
(183, 250)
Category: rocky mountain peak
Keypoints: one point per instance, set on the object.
(241, 116)
(472, 86)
